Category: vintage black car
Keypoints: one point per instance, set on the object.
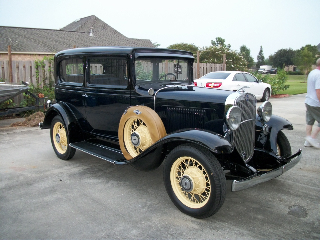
(139, 106)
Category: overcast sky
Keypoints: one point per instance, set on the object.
(272, 24)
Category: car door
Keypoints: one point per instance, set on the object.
(70, 87)
(256, 87)
(107, 94)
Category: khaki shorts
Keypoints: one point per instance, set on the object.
(312, 114)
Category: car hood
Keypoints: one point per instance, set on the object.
(186, 92)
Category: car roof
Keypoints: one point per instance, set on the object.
(137, 51)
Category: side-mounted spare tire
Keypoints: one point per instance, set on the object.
(139, 128)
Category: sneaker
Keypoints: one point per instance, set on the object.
(307, 144)
(313, 142)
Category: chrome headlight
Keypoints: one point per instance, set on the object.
(265, 111)
(234, 117)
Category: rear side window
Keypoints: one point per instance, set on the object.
(71, 71)
(108, 71)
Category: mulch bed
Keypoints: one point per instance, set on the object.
(280, 95)
(31, 121)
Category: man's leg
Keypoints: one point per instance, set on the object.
(315, 132)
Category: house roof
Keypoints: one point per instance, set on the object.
(75, 34)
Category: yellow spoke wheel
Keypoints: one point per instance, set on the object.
(194, 180)
(190, 182)
(139, 128)
(137, 136)
(60, 139)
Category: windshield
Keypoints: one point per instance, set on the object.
(216, 75)
(161, 69)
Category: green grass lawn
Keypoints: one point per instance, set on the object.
(298, 85)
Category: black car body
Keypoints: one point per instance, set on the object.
(139, 106)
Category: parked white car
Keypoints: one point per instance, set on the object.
(233, 81)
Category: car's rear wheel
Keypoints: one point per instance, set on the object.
(139, 128)
(194, 181)
(60, 139)
(266, 95)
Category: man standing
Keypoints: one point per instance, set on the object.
(313, 107)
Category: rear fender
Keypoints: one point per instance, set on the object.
(72, 127)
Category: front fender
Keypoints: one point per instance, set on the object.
(266, 133)
(152, 157)
(209, 140)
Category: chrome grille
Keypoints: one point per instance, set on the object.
(244, 136)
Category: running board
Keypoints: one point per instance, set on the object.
(109, 154)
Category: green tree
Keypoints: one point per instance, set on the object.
(186, 47)
(304, 60)
(245, 52)
(214, 54)
(313, 49)
(305, 57)
(260, 58)
(220, 42)
(156, 45)
(283, 57)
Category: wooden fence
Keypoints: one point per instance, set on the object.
(29, 71)
(205, 68)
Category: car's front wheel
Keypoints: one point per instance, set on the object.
(283, 145)
(60, 139)
(194, 180)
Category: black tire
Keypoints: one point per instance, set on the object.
(60, 139)
(194, 181)
(266, 95)
(283, 145)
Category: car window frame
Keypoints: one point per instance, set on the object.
(235, 77)
(88, 74)
(62, 80)
(248, 74)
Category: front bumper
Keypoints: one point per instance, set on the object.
(238, 185)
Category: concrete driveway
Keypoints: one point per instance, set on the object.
(43, 197)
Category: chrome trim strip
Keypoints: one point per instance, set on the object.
(249, 182)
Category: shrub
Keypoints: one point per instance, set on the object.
(277, 82)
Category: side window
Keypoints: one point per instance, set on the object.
(251, 78)
(71, 71)
(108, 71)
(239, 77)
